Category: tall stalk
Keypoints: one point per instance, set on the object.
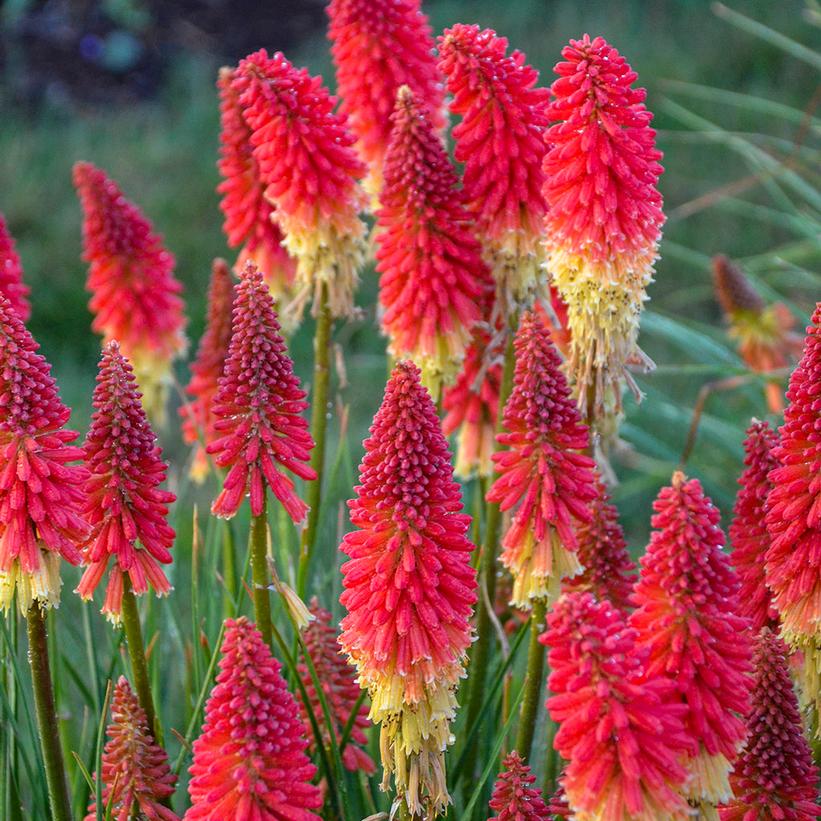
(533, 681)
(47, 715)
(319, 426)
(259, 572)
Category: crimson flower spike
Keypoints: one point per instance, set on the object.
(544, 478)
(605, 215)
(12, 286)
(501, 141)
(124, 504)
(514, 798)
(409, 590)
(250, 762)
(433, 282)
(749, 537)
(621, 726)
(135, 772)
(197, 414)
(339, 687)
(793, 562)
(305, 158)
(774, 777)
(607, 571)
(250, 223)
(135, 296)
(688, 625)
(258, 407)
(41, 492)
(367, 39)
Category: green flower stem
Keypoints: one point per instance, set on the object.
(533, 681)
(319, 426)
(136, 653)
(259, 573)
(47, 715)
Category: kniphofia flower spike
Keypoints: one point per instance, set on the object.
(12, 286)
(514, 798)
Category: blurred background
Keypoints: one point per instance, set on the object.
(129, 85)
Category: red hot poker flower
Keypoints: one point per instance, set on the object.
(258, 409)
(378, 46)
(604, 219)
(306, 161)
(501, 141)
(793, 567)
(340, 689)
(687, 622)
(620, 727)
(544, 479)
(198, 413)
(748, 532)
(124, 505)
(433, 282)
(12, 286)
(249, 216)
(135, 296)
(250, 762)
(775, 777)
(41, 493)
(135, 771)
(409, 589)
(514, 798)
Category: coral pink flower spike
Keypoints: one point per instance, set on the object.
(620, 727)
(41, 493)
(501, 141)
(433, 284)
(305, 157)
(604, 220)
(124, 504)
(197, 414)
(514, 798)
(135, 296)
(135, 773)
(12, 286)
(250, 762)
(544, 479)
(688, 624)
(774, 778)
(378, 46)
(250, 223)
(409, 589)
(793, 567)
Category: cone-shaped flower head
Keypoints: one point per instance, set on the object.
(514, 798)
(306, 161)
(41, 493)
(607, 571)
(12, 286)
(604, 219)
(764, 333)
(687, 622)
(135, 772)
(749, 537)
(793, 568)
(124, 504)
(544, 480)
(378, 46)
(501, 141)
(198, 418)
(472, 407)
(620, 729)
(558, 806)
(775, 778)
(134, 294)
(258, 409)
(433, 282)
(409, 589)
(250, 762)
(249, 223)
(340, 689)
